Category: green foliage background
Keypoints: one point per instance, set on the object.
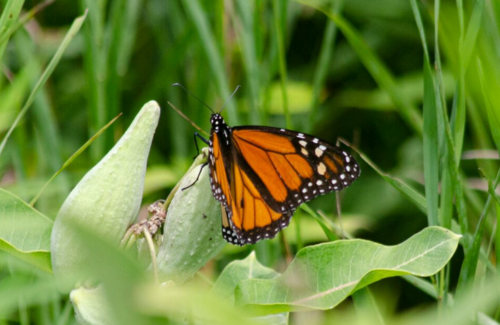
(409, 83)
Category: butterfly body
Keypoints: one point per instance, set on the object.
(260, 175)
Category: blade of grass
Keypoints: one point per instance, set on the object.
(129, 30)
(328, 232)
(73, 157)
(497, 237)
(279, 13)
(8, 20)
(493, 116)
(381, 74)
(120, 37)
(377, 69)
(366, 307)
(4, 36)
(403, 188)
(111, 54)
(75, 27)
(469, 265)
(44, 121)
(494, 124)
(451, 166)
(446, 203)
(324, 61)
(430, 136)
(195, 11)
(249, 57)
(95, 65)
(466, 46)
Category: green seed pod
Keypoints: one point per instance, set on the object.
(107, 199)
(192, 232)
(91, 306)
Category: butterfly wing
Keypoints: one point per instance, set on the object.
(261, 174)
(246, 216)
(291, 168)
(280, 169)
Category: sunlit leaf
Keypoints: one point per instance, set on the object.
(322, 276)
(237, 271)
(24, 232)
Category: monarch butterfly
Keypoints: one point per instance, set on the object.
(260, 175)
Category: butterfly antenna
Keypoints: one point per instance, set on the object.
(187, 119)
(190, 93)
(227, 101)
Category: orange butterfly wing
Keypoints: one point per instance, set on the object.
(261, 175)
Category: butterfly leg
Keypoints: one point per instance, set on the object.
(197, 177)
(197, 135)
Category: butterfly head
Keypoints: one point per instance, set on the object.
(218, 123)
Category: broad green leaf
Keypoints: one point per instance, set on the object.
(24, 232)
(322, 276)
(189, 304)
(237, 271)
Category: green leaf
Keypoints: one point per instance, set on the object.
(24, 232)
(322, 276)
(237, 271)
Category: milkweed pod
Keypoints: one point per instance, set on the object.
(91, 306)
(192, 231)
(106, 200)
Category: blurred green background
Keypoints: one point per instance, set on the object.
(351, 69)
